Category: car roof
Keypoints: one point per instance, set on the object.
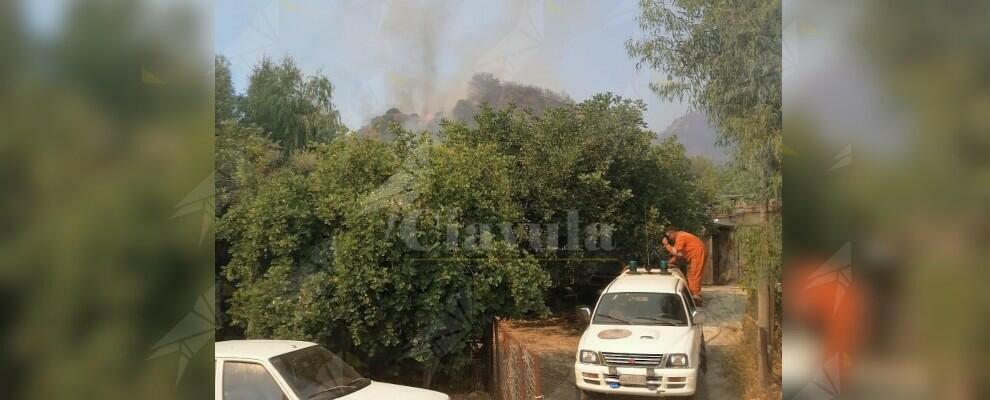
(257, 349)
(649, 282)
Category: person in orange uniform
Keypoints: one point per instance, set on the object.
(689, 248)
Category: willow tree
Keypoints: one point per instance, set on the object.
(294, 109)
(723, 56)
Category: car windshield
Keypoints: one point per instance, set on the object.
(641, 309)
(316, 373)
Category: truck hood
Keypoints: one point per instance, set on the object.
(381, 391)
(637, 339)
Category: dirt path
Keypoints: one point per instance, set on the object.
(725, 307)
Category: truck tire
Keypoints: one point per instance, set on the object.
(704, 357)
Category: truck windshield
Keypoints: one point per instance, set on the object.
(316, 373)
(641, 309)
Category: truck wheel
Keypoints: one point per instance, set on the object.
(704, 358)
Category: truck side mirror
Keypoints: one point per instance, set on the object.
(699, 317)
(584, 315)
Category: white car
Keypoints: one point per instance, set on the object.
(290, 370)
(644, 338)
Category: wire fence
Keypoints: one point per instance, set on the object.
(516, 368)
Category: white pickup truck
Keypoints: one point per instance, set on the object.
(290, 370)
(644, 338)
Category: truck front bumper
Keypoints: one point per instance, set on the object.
(665, 382)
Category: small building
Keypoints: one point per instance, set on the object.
(722, 266)
(722, 263)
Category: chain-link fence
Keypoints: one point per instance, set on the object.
(516, 368)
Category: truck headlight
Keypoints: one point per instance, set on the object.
(589, 357)
(677, 360)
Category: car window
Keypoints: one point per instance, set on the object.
(249, 381)
(641, 309)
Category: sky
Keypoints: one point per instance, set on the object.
(419, 55)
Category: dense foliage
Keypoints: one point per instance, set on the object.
(404, 249)
(106, 127)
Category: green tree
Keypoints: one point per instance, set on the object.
(294, 109)
(595, 157)
(723, 56)
(349, 242)
(315, 252)
(725, 184)
(224, 98)
(400, 294)
(243, 157)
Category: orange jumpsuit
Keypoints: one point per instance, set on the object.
(693, 250)
(822, 296)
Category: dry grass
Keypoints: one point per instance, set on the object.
(548, 335)
(741, 362)
(470, 396)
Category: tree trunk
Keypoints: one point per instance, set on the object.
(428, 374)
(764, 305)
(763, 330)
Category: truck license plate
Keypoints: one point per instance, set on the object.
(632, 379)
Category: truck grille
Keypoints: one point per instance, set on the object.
(630, 359)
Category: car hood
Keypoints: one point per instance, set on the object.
(637, 339)
(382, 390)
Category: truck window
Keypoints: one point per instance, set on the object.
(249, 381)
(641, 309)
